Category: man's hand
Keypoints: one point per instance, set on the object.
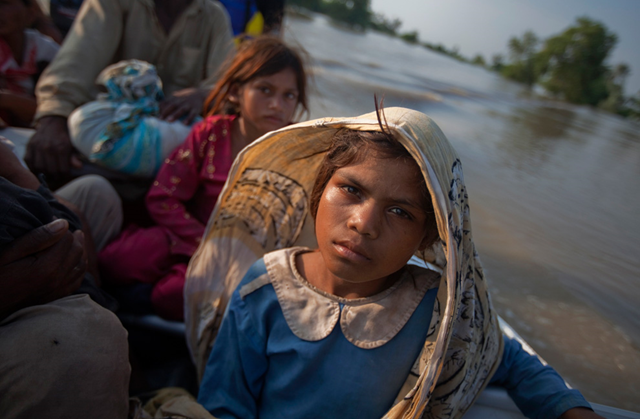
(50, 150)
(185, 103)
(45, 264)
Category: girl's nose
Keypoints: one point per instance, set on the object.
(275, 103)
(365, 219)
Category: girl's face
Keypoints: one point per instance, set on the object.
(267, 103)
(370, 219)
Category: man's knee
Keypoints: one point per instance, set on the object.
(99, 202)
(68, 358)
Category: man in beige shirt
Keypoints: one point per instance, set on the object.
(187, 41)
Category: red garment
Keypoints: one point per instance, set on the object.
(14, 74)
(188, 184)
(18, 78)
(180, 201)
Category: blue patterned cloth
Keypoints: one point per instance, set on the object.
(126, 143)
(121, 130)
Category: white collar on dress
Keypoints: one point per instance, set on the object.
(311, 313)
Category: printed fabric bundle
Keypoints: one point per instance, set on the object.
(120, 130)
(264, 207)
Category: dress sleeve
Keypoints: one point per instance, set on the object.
(235, 372)
(68, 81)
(176, 183)
(537, 389)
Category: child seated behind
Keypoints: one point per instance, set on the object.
(24, 53)
(260, 91)
(352, 328)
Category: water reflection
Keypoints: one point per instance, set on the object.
(533, 134)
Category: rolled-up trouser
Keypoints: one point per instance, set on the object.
(66, 359)
(100, 204)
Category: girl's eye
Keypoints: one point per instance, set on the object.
(291, 96)
(400, 212)
(265, 90)
(351, 190)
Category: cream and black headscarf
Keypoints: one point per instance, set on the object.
(264, 206)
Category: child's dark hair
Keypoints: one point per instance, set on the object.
(351, 147)
(259, 57)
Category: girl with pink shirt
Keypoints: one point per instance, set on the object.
(263, 86)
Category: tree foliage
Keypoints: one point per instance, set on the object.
(632, 107)
(410, 37)
(571, 65)
(523, 55)
(353, 13)
(497, 62)
(381, 23)
(573, 62)
(313, 5)
(620, 73)
(521, 49)
(479, 60)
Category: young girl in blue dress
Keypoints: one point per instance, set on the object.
(384, 311)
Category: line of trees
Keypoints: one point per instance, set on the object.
(357, 15)
(571, 66)
(353, 13)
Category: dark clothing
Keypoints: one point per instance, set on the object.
(23, 210)
(63, 13)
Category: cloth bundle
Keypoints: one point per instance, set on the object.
(264, 206)
(121, 130)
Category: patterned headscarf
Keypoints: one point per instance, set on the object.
(264, 206)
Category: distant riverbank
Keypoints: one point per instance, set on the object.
(572, 66)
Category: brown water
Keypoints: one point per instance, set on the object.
(555, 196)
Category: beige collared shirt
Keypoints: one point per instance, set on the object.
(108, 31)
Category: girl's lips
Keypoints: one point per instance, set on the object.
(351, 252)
(274, 119)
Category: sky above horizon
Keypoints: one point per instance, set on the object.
(484, 27)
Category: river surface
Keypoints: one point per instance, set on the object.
(554, 191)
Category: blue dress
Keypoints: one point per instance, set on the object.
(260, 367)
